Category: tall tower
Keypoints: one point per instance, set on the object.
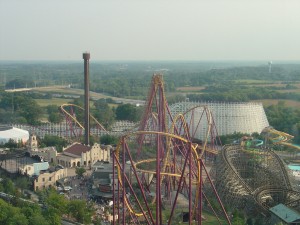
(33, 144)
(86, 57)
(270, 66)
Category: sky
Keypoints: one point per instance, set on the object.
(150, 29)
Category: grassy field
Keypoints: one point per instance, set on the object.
(187, 89)
(290, 91)
(53, 101)
(211, 219)
(289, 103)
(69, 91)
(249, 81)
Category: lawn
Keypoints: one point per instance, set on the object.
(53, 101)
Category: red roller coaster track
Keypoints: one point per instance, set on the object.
(158, 165)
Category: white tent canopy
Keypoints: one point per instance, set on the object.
(16, 134)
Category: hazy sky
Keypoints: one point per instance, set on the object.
(150, 29)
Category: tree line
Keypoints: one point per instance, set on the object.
(132, 79)
(22, 108)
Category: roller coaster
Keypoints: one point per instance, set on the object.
(280, 138)
(75, 126)
(160, 176)
(254, 181)
(159, 168)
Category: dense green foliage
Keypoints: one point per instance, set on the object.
(12, 144)
(132, 78)
(19, 108)
(128, 112)
(55, 141)
(54, 116)
(236, 93)
(285, 119)
(58, 206)
(55, 208)
(80, 171)
(109, 140)
(104, 114)
(24, 215)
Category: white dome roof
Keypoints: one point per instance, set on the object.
(13, 133)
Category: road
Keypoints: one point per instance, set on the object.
(76, 92)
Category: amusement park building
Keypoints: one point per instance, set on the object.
(230, 117)
(81, 155)
(34, 168)
(12, 133)
(48, 178)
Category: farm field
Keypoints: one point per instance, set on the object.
(290, 91)
(69, 91)
(289, 103)
(275, 84)
(53, 101)
(255, 82)
(188, 88)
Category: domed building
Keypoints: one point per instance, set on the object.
(13, 133)
(228, 117)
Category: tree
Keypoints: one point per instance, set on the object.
(109, 139)
(54, 114)
(250, 221)
(55, 118)
(52, 216)
(31, 111)
(18, 219)
(128, 112)
(56, 203)
(22, 183)
(11, 144)
(5, 211)
(51, 140)
(8, 186)
(80, 171)
(37, 219)
(104, 114)
(15, 215)
(22, 106)
(19, 83)
(81, 211)
(238, 218)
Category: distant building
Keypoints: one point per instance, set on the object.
(102, 180)
(228, 117)
(32, 143)
(48, 178)
(11, 133)
(74, 155)
(34, 168)
(81, 155)
(48, 153)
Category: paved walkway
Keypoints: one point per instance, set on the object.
(79, 185)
